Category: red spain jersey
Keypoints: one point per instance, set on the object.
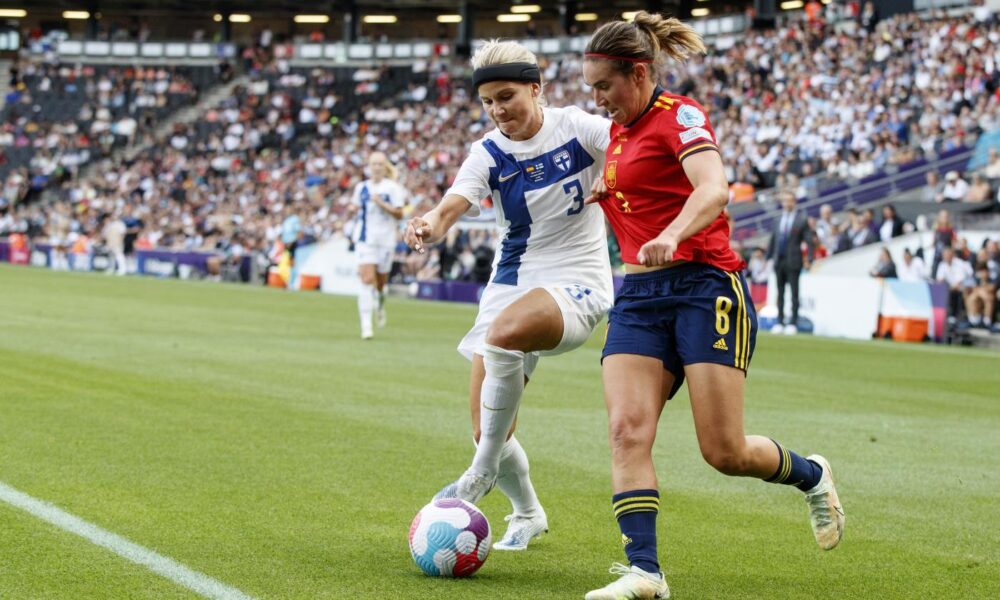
(648, 187)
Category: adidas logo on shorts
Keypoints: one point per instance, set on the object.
(721, 344)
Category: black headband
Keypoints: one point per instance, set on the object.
(519, 71)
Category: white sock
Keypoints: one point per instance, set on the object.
(499, 399)
(513, 479)
(366, 298)
(381, 299)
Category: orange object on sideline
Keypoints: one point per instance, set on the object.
(275, 280)
(309, 282)
(81, 245)
(909, 330)
(741, 192)
(885, 326)
(903, 329)
(18, 241)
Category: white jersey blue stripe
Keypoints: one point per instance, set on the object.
(547, 236)
(373, 225)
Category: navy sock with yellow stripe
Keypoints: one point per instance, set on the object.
(636, 513)
(795, 470)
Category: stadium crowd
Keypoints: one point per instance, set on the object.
(808, 102)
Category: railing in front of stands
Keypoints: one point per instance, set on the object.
(869, 190)
(144, 50)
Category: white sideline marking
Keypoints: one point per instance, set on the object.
(159, 564)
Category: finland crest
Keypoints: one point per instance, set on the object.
(562, 160)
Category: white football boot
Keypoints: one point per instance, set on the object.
(522, 529)
(469, 487)
(633, 584)
(472, 487)
(826, 515)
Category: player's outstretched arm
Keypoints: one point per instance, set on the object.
(432, 227)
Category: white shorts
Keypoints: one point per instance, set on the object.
(582, 309)
(375, 254)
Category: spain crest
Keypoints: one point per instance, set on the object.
(610, 172)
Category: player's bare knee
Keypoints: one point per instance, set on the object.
(504, 335)
(627, 436)
(725, 461)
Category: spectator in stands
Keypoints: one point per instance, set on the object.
(863, 232)
(980, 190)
(912, 268)
(891, 226)
(869, 17)
(884, 267)
(990, 256)
(955, 188)
(826, 230)
(757, 275)
(992, 170)
(791, 232)
(934, 191)
(963, 252)
(944, 237)
(981, 298)
(956, 274)
(983, 11)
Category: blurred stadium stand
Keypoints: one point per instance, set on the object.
(216, 128)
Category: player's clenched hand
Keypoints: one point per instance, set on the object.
(657, 251)
(598, 191)
(417, 230)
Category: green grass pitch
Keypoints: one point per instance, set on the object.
(250, 434)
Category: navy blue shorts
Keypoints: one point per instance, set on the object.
(691, 313)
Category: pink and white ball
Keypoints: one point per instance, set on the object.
(450, 538)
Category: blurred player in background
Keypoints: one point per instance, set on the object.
(378, 204)
(683, 310)
(551, 278)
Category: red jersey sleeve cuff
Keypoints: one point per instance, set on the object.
(695, 149)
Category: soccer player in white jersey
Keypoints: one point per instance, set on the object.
(378, 203)
(551, 281)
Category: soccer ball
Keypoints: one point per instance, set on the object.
(450, 538)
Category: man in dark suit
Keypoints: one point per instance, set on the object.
(791, 230)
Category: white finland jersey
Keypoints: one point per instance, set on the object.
(373, 225)
(548, 237)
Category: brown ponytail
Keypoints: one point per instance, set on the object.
(645, 39)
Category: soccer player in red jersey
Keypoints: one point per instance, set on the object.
(683, 310)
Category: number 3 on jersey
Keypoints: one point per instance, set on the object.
(574, 187)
